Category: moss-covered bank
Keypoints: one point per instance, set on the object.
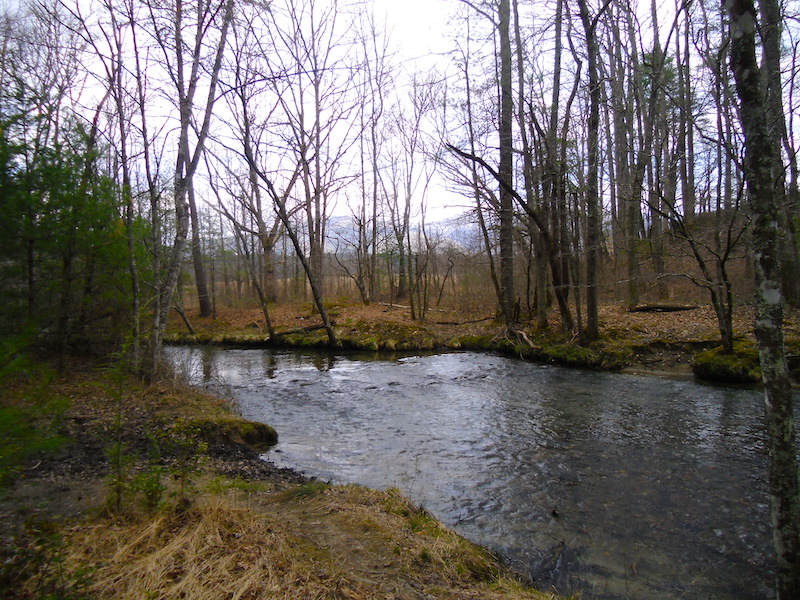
(548, 347)
(643, 341)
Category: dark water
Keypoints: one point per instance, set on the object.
(617, 486)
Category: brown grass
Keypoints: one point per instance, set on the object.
(332, 542)
(697, 324)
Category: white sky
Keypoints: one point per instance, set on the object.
(418, 26)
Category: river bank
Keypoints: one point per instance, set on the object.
(159, 491)
(108, 482)
(674, 339)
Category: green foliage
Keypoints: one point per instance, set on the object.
(148, 485)
(119, 458)
(185, 444)
(64, 257)
(119, 479)
(13, 358)
(25, 434)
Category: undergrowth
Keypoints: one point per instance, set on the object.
(30, 423)
(164, 535)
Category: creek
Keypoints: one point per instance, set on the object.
(611, 485)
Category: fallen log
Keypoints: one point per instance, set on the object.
(652, 308)
(462, 322)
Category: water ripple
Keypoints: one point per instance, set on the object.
(615, 486)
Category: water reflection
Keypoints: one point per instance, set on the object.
(616, 486)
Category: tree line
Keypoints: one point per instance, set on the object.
(596, 151)
(601, 151)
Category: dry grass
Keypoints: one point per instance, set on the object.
(213, 551)
(312, 542)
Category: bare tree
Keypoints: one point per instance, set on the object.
(312, 48)
(593, 208)
(410, 175)
(186, 34)
(377, 75)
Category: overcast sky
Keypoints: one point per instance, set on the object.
(418, 26)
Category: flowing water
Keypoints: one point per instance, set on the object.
(617, 486)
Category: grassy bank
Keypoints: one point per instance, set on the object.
(115, 489)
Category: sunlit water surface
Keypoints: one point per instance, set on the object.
(618, 486)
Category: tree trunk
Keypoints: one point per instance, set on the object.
(593, 215)
(197, 256)
(759, 166)
(771, 28)
(270, 282)
(186, 160)
(540, 275)
(506, 167)
(685, 135)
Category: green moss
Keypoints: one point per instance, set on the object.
(740, 367)
(506, 345)
(314, 341)
(559, 349)
(476, 342)
(236, 431)
(616, 358)
(291, 340)
(428, 343)
(247, 340)
(573, 354)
